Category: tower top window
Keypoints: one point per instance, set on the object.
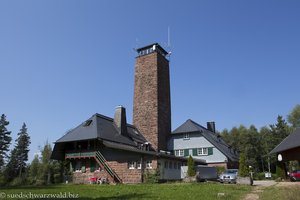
(150, 49)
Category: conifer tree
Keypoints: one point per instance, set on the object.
(5, 140)
(243, 169)
(191, 167)
(22, 148)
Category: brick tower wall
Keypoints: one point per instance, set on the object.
(152, 106)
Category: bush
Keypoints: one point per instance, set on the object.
(280, 171)
(2, 180)
(220, 169)
(259, 176)
(18, 181)
(152, 177)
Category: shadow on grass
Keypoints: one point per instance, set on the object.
(123, 197)
(31, 187)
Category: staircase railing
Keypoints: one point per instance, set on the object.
(112, 173)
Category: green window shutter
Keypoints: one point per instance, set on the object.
(194, 152)
(210, 151)
(173, 152)
(186, 152)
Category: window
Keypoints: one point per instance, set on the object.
(166, 164)
(149, 164)
(179, 152)
(131, 165)
(138, 165)
(186, 136)
(202, 151)
(170, 165)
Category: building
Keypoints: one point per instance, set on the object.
(123, 153)
(191, 138)
(152, 104)
(289, 148)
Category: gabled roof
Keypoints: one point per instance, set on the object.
(214, 138)
(290, 142)
(188, 127)
(102, 127)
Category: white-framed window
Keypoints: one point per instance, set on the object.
(202, 151)
(186, 136)
(179, 152)
(149, 164)
(131, 165)
(138, 165)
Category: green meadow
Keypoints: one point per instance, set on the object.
(182, 191)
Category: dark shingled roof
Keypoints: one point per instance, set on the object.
(290, 142)
(214, 138)
(102, 127)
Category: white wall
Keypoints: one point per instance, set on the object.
(196, 140)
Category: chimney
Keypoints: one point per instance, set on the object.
(120, 120)
(211, 126)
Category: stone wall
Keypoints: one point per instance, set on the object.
(125, 174)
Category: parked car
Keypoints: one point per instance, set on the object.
(295, 175)
(229, 176)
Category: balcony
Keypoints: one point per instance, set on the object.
(80, 154)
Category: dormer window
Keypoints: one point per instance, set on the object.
(186, 136)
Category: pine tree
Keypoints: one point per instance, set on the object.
(5, 140)
(22, 149)
(11, 169)
(191, 167)
(279, 131)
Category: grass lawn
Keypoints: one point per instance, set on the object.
(181, 191)
(281, 193)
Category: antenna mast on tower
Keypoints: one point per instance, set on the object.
(169, 44)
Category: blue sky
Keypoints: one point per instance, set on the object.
(233, 62)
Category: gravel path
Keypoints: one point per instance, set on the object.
(258, 188)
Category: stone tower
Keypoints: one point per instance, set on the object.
(152, 104)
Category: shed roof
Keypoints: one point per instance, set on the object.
(290, 142)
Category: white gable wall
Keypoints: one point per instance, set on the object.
(196, 140)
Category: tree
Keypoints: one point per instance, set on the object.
(294, 117)
(11, 169)
(5, 140)
(34, 170)
(22, 149)
(46, 162)
(279, 131)
(191, 167)
(243, 168)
